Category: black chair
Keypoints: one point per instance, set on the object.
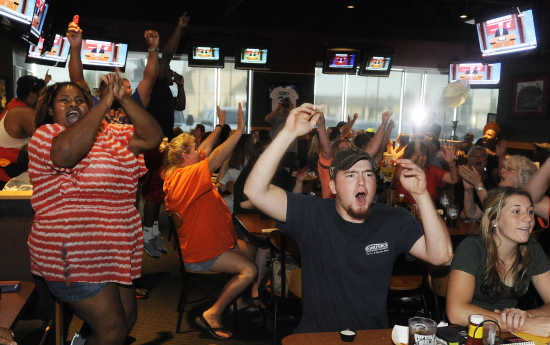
(189, 278)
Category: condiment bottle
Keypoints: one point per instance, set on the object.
(475, 331)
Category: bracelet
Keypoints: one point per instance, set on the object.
(480, 188)
(153, 50)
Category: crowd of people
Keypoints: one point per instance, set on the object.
(87, 157)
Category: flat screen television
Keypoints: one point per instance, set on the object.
(38, 19)
(476, 73)
(57, 56)
(253, 57)
(376, 65)
(17, 16)
(511, 33)
(341, 61)
(103, 55)
(206, 56)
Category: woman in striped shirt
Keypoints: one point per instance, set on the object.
(86, 239)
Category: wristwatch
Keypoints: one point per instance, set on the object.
(480, 188)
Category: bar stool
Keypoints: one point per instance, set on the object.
(408, 290)
(188, 277)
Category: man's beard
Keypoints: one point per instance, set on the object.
(358, 214)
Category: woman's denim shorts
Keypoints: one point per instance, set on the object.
(74, 291)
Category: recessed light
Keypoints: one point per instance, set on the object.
(351, 6)
(463, 16)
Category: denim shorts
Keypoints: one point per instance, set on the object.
(75, 291)
(204, 266)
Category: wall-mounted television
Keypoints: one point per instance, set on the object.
(38, 19)
(253, 57)
(103, 55)
(203, 55)
(16, 16)
(510, 33)
(341, 60)
(476, 73)
(376, 65)
(57, 56)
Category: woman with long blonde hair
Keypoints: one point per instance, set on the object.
(490, 272)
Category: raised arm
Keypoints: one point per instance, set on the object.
(151, 71)
(324, 141)
(181, 100)
(537, 187)
(208, 144)
(147, 132)
(345, 129)
(471, 210)
(223, 151)
(376, 143)
(76, 74)
(470, 175)
(435, 246)
(278, 114)
(448, 153)
(174, 39)
(75, 142)
(268, 198)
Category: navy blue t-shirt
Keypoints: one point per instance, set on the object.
(346, 267)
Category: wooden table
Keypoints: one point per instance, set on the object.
(256, 224)
(11, 303)
(463, 229)
(367, 337)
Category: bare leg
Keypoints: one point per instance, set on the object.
(262, 255)
(128, 300)
(245, 270)
(105, 315)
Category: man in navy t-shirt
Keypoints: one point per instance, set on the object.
(347, 244)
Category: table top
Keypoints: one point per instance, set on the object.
(15, 195)
(11, 303)
(366, 337)
(256, 223)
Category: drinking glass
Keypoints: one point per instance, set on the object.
(422, 331)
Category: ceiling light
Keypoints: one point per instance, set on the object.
(351, 6)
(463, 16)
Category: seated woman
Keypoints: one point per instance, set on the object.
(207, 238)
(490, 272)
(516, 171)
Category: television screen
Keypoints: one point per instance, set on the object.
(57, 56)
(376, 65)
(38, 18)
(341, 61)
(253, 58)
(102, 55)
(475, 73)
(18, 11)
(507, 34)
(206, 56)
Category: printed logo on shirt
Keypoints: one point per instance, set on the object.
(377, 248)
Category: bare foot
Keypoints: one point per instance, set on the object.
(215, 323)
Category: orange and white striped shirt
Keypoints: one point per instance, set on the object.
(86, 227)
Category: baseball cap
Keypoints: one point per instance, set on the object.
(345, 159)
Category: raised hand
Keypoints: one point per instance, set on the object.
(301, 174)
(108, 93)
(448, 153)
(386, 116)
(470, 175)
(47, 77)
(74, 34)
(184, 20)
(321, 120)
(151, 39)
(240, 118)
(412, 177)
(221, 115)
(301, 120)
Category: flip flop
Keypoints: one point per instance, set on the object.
(203, 324)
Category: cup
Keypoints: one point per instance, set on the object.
(489, 333)
(452, 213)
(422, 331)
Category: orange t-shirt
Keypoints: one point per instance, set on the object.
(207, 228)
(323, 165)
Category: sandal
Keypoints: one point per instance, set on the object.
(142, 293)
(203, 324)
